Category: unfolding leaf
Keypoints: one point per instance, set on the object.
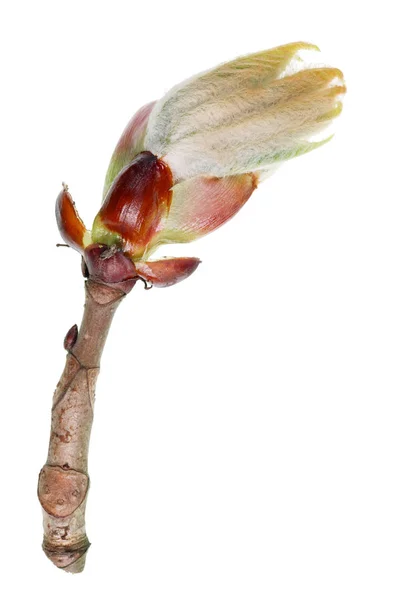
(246, 73)
(252, 132)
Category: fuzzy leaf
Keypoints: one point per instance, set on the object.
(245, 115)
(245, 73)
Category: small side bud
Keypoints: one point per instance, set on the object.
(71, 337)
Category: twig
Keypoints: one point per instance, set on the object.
(64, 481)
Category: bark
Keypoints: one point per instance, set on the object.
(64, 480)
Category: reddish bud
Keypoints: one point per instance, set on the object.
(138, 200)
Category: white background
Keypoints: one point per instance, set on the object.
(246, 436)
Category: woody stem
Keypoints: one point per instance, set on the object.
(64, 481)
